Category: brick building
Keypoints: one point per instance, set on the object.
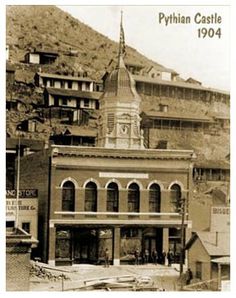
(117, 195)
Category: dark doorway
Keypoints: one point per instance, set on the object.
(152, 240)
(85, 246)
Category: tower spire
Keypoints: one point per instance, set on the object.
(122, 43)
(119, 120)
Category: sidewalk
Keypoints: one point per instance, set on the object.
(162, 276)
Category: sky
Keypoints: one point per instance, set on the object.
(175, 46)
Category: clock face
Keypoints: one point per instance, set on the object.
(124, 129)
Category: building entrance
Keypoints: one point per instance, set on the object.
(85, 248)
(152, 241)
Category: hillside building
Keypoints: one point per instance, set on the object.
(79, 83)
(75, 136)
(71, 106)
(41, 57)
(10, 74)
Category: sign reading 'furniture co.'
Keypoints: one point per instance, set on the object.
(23, 193)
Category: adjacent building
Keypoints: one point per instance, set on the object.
(18, 251)
(209, 251)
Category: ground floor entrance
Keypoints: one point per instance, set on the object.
(80, 244)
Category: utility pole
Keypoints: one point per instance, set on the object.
(17, 185)
(182, 213)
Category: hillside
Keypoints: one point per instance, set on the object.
(48, 27)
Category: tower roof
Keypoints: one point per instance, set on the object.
(120, 82)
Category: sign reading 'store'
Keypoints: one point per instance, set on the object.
(23, 193)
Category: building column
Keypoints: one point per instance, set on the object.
(101, 202)
(52, 246)
(165, 240)
(144, 202)
(166, 205)
(116, 246)
(79, 199)
(123, 202)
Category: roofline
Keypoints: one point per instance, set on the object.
(193, 239)
(124, 153)
(78, 94)
(42, 51)
(138, 78)
(178, 117)
(197, 236)
(57, 76)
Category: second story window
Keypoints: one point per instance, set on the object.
(63, 84)
(86, 103)
(68, 196)
(91, 197)
(176, 196)
(69, 84)
(51, 82)
(112, 197)
(133, 198)
(154, 198)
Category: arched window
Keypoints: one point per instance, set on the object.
(68, 196)
(176, 196)
(112, 197)
(91, 197)
(133, 198)
(154, 198)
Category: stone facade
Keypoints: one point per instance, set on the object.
(18, 248)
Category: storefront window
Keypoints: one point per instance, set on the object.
(112, 197)
(131, 240)
(63, 244)
(154, 198)
(91, 197)
(68, 196)
(133, 198)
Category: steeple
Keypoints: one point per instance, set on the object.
(119, 120)
(121, 53)
(120, 83)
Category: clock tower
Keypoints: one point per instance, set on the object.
(119, 120)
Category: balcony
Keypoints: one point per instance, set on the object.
(117, 218)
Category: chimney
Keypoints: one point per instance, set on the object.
(217, 236)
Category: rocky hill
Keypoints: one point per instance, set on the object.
(48, 27)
